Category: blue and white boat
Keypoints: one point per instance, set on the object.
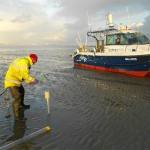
(118, 50)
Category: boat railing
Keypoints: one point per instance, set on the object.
(128, 48)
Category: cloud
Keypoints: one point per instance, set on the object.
(79, 8)
(97, 10)
(146, 28)
(30, 22)
(92, 14)
(22, 18)
(58, 21)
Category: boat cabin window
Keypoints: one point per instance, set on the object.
(137, 38)
(116, 39)
(126, 39)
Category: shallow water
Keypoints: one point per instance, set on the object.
(89, 110)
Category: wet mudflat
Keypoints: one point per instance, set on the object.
(89, 110)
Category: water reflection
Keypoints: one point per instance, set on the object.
(19, 127)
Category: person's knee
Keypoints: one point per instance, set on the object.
(17, 99)
(17, 96)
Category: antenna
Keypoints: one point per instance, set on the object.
(79, 39)
(127, 9)
(89, 24)
(86, 40)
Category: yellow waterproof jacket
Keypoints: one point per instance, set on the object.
(19, 71)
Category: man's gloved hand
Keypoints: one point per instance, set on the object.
(34, 82)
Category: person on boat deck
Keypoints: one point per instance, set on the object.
(19, 71)
(118, 39)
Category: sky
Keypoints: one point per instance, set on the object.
(48, 22)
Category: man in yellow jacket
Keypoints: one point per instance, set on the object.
(19, 71)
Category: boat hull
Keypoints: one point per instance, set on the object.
(138, 66)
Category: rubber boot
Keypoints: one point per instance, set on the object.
(25, 106)
(16, 110)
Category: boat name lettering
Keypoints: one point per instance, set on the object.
(134, 59)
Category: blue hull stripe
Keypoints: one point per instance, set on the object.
(131, 65)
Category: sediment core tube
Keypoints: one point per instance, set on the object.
(26, 138)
